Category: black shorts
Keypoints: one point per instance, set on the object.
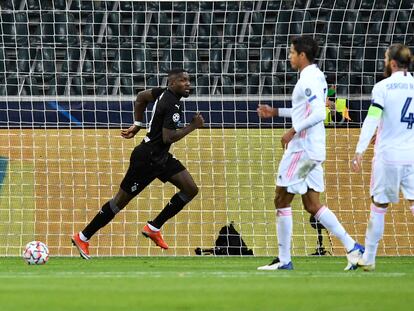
(144, 168)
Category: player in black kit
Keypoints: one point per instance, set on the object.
(151, 160)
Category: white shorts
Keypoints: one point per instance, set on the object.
(298, 173)
(388, 179)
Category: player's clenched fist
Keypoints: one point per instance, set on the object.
(265, 111)
(197, 121)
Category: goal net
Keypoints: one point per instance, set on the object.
(69, 74)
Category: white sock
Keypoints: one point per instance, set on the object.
(375, 230)
(284, 225)
(330, 222)
(152, 227)
(82, 237)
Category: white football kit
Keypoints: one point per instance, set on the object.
(393, 163)
(301, 164)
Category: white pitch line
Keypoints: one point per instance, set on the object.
(218, 274)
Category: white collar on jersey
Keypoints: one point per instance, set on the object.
(308, 68)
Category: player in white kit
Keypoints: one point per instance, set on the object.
(300, 170)
(392, 112)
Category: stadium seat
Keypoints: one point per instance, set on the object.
(71, 59)
(3, 87)
(238, 59)
(10, 5)
(2, 63)
(127, 86)
(14, 28)
(380, 59)
(134, 32)
(183, 27)
(58, 86)
(358, 62)
(340, 4)
(164, 63)
(369, 58)
(159, 30)
(215, 60)
(190, 59)
(91, 29)
(404, 28)
(256, 29)
(106, 85)
(335, 26)
(57, 28)
(9, 87)
(368, 82)
(330, 59)
(32, 5)
(87, 6)
(203, 85)
(45, 61)
(282, 27)
(266, 59)
(94, 62)
(24, 57)
(270, 85)
(230, 27)
(353, 33)
(228, 83)
(207, 31)
(153, 81)
(133, 59)
(253, 84)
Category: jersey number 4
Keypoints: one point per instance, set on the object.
(410, 118)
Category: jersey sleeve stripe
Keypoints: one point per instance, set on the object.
(312, 98)
(377, 105)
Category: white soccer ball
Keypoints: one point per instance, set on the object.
(36, 253)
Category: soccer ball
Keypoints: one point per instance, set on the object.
(36, 253)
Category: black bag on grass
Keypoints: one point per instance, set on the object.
(229, 242)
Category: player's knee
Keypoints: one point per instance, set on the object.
(280, 202)
(191, 192)
(312, 208)
(194, 191)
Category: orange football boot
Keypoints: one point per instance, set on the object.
(155, 236)
(83, 247)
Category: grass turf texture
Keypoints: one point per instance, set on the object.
(204, 283)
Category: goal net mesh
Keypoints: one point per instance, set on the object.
(69, 74)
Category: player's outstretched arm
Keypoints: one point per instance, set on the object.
(171, 136)
(265, 111)
(141, 103)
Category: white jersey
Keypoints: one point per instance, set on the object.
(308, 114)
(395, 134)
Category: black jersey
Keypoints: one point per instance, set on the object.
(167, 112)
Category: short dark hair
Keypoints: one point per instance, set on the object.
(176, 71)
(401, 54)
(307, 45)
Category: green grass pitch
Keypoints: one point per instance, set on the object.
(204, 283)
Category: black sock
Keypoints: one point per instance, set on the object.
(104, 216)
(175, 205)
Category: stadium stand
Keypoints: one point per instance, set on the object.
(124, 43)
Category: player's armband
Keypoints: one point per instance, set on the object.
(375, 111)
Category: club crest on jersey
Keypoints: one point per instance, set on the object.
(308, 92)
(176, 117)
